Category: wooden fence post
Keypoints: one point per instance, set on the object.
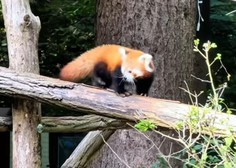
(22, 29)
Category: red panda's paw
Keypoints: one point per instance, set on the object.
(144, 94)
(124, 94)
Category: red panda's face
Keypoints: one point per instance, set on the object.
(136, 64)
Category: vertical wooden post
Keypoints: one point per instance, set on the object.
(22, 29)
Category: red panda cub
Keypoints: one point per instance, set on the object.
(112, 66)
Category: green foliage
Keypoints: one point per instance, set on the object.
(145, 125)
(3, 48)
(223, 30)
(222, 10)
(67, 31)
(202, 147)
(214, 98)
(3, 42)
(209, 150)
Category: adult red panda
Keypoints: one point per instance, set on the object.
(112, 66)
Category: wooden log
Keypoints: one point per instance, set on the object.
(87, 99)
(92, 142)
(81, 124)
(71, 124)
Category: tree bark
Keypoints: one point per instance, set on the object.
(22, 29)
(164, 29)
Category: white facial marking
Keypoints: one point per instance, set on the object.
(146, 59)
(122, 53)
(128, 77)
(122, 69)
(137, 72)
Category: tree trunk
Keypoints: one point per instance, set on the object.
(166, 30)
(22, 29)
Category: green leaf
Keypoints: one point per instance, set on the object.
(197, 147)
(228, 141)
(228, 77)
(227, 164)
(218, 56)
(196, 42)
(229, 111)
(179, 125)
(205, 45)
(213, 45)
(145, 125)
(204, 157)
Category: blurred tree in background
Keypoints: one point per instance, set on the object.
(3, 42)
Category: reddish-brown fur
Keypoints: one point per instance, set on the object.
(83, 65)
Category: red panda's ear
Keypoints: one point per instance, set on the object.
(122, 52)
(147, 60)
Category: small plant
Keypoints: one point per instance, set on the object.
(207, 148)
(214, 99)
(145, 125)
(202, 145)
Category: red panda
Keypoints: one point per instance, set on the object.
(112, 66)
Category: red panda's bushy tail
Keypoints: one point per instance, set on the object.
(77, 69)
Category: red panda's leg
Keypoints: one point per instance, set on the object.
(118, 83)
(101, 76)
(105, 79)
(143, 85)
